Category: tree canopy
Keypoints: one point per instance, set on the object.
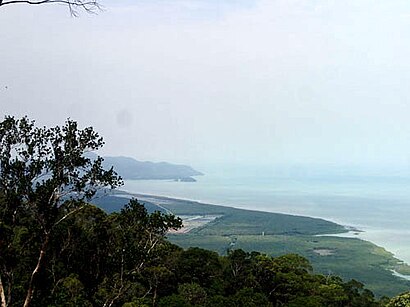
(45, 177)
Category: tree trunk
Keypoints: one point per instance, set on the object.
(154, 298)
(2, 295)
(30, 290)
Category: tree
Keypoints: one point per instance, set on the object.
(247, 297)
(400, 300)
(238, 272)
(45, 177)
(137, 249)
(193, 294)
(201, 266)
(90, 6)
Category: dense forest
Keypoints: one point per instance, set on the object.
(95, 259)
(58, 250)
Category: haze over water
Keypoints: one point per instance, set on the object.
(232, 81)
(378, 205)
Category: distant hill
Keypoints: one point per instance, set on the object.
(129, 168)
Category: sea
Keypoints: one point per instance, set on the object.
(378, 205)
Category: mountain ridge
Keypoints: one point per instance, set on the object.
(130, 168)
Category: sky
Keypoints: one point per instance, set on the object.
(206, 81)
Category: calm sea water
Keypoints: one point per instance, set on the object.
(380, 206)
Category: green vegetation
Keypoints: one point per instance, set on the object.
(345, 257)
(44, 179)
(352, 258)
(402, 300)
(59, 250)
(246, 222)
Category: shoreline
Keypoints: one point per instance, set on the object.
(360, 229)
(210, 203)
(351, 231)
(365, 232)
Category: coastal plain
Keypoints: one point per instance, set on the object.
(221, 228)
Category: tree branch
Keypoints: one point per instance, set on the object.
(2, 295)
(88, 6)
(30, 290)
(68, 214)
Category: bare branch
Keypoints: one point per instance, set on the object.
(68, 214)
(89, 6)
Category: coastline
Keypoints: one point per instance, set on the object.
(148, 197)
(351, 231)
(378, 207)
(335, 251)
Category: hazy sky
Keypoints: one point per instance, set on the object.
(203, 81)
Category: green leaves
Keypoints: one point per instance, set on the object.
(44, 178)
(51, 160)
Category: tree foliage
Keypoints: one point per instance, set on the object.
(45, 177)
(402, 300)
(56, 249)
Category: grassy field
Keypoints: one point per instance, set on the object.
(278, 234)
(245, 222)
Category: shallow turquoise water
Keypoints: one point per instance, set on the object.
(378, 205)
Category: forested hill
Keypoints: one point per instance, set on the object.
(129, 168)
